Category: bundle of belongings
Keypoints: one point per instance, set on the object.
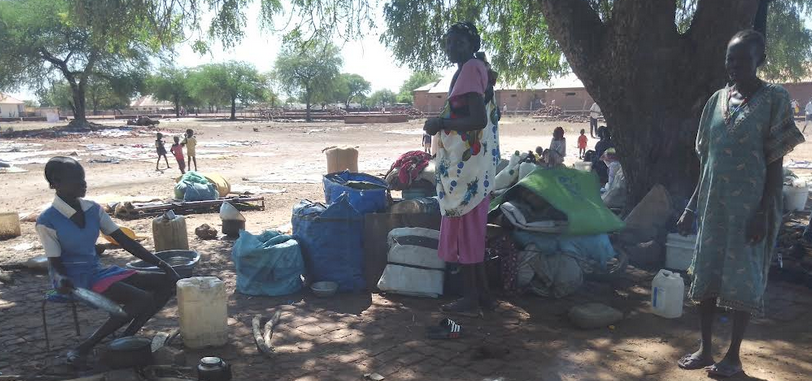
(413, 265)
(614, 192)
(413, 171)
(195, 186)
(331, 233)
(560, 226)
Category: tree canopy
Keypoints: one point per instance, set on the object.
(227, 83)
(171, 84)
(309, 70)
(42, 41)
(416, 80)
(351, 88)
(382, 98)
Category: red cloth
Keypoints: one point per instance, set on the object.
(409, 166)
(177, 150)
(462, 239)
(582, 142)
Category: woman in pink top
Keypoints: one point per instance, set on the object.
(466, 159)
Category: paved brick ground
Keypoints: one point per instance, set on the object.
(342, 338)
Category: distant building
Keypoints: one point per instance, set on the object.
(800, 90)
(566, 92)
(11, 107)
(149, 104)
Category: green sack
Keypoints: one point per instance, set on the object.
(187, 179)
(574, 193)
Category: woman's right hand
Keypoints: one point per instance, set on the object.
(685, 225)
(63, 284)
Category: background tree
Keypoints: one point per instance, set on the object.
(382, 98)
(351, 88)
(650, 65)
(172, 85)
(45, 40)
(227, 83)
(416, 80)
(308, 69)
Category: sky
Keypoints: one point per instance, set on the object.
(368, 58)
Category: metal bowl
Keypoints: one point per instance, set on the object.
(183, 261)
(324, 289)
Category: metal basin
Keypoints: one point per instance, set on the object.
(183, 261)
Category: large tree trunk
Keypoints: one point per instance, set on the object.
(650, 81)
(233, 109)
(177, 107)
(79, 105)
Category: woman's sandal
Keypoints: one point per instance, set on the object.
(723, 371)
(689, 362)
(448, 329)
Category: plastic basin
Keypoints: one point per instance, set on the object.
(324, 289)
(183, 261)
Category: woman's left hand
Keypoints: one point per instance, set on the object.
(756, 228)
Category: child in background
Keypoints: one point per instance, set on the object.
(558, 147)
(177, 150)
(427, 143)
(159, 146)
(582, 144)
(190, 141)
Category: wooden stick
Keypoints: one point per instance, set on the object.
(262, 346)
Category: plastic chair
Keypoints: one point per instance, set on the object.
(55, 297)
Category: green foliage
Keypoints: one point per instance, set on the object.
(58, 94)
(171, 84)
(226, 83)
(349, 88)
(789, 47)
(308, 69)
(382, 98)
(416, 80)
(43, 41)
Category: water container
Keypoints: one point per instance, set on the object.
(9, 225)
(169, 232)
(667, 291)
(679, 251)
(582, 166)
(341, 159)
(795, 197)
(202, 311)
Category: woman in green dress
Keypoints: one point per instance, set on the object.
(744, 132)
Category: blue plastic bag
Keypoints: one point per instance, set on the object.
(200, 192)
(268, 264)
(367, 193)
(332, 242)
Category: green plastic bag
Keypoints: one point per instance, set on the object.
(572, 192)
(188, 178)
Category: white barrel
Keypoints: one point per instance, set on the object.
(795, 198)
(667, 292)
(202, 310)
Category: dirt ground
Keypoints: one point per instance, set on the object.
(527, 338)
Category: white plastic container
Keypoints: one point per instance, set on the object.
(667, 292)
(582, 166)
(526, 169)
(202, 310)
(679, 251)
(795, 197)
(169, 232)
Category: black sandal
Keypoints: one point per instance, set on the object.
(447, 329)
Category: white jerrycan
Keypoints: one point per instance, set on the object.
(667, 291)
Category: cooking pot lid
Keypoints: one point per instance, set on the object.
(211, 361)
(129, 343)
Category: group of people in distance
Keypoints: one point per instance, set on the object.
(189, 141)
(745, 130)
